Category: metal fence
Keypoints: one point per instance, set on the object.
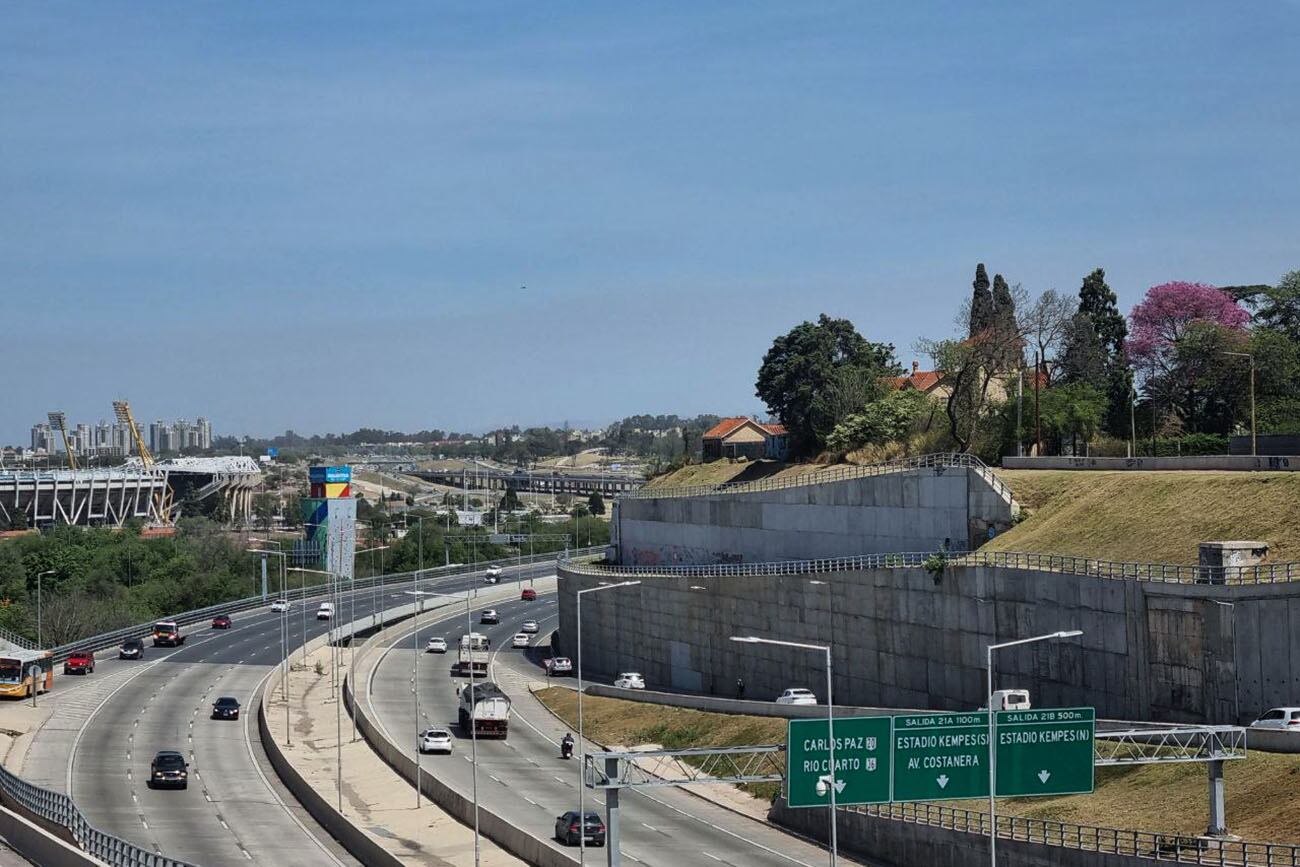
(833, 474)
(58, 808)
(1178, 848)
(117, 636)
(1270, 573)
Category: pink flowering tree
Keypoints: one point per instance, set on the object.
(1178, 336)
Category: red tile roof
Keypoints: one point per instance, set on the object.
(728, 426)
(725, 427)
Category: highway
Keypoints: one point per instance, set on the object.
(524, 779)
(233, 811)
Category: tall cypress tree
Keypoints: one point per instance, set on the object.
(981, 303)
(1098, 303)
(1005, 328)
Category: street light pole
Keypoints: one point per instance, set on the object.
(992, 753)
(40, 642)
(582, 814)
(284, 636)
(830, 724)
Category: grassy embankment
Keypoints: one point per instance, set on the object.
(1263, 790)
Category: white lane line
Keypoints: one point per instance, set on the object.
(714, 857)
(651, 827)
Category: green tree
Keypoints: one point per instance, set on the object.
(1072, 412)
(981, 304)
(1098, 302)
(264, 509)
(596, 504)
(805, 361)
(1008, 338)
(888, 419)
(1278, 307)
(1083, 355)
(509, 500)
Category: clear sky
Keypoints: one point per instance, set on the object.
(323, 215)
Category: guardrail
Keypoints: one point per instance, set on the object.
(1269, 573)
(59, 809)
(115, 637)
(833, 474)
(1178, 848)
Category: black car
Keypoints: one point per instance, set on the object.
(132, 648)
(566, 829)
(168, 770)
(226, 707)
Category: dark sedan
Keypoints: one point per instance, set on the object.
(226, 707)
(566, 829)
(168, 770)
(132, 648)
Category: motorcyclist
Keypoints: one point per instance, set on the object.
(566, 745)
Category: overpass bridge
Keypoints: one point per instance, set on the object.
(546, 482)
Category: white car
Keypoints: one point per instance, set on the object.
(492, 575)
(559, 665)
(630, 680)
(797, 696)
(435, 741)
(521, 639)
(436, 645)
(280, 605)
(326, 611)
(489, 615)
(529, 626)
(1279, 718)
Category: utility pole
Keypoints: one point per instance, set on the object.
(1020, 399)
(1038, 421)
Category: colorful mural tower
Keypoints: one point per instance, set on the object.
(329, 518)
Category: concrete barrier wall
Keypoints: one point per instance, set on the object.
(40, 846)
(903, 637)
(713, 704)
(892, 843)
(911, 510)
(1191, 462)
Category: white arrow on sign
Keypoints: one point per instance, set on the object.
(942, 780)
(1044, 776)
(826, 779)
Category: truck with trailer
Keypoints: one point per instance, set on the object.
(486, 706)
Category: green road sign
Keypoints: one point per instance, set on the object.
(941, 756)
(1045, 752)
(861, 761)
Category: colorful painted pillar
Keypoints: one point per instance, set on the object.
(329, 519)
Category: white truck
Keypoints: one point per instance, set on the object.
(472, 654)
(487, 706)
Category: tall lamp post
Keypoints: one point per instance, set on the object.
(473, 732)
(992, 759)
(334, 668)
(284, 636)
(829, 779)
(40, 642)
(1254, 450)
(582, 815)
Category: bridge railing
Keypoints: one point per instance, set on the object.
(1177, 848)
(1267, 573)
(198, 615)
(58, 808)
(832, 474)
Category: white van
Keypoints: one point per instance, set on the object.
(1010, 699)
(326, 611)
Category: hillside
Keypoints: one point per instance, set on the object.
(1151, 516)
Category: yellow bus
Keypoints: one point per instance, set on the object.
(21, 671)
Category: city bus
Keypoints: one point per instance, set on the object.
(20, 669)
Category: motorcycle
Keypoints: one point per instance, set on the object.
(566, 749)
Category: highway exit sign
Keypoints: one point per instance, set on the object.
(941, 756)
(1045, 752)
(862, 759)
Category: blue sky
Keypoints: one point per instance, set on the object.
(321, 215)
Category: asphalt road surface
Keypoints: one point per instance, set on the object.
(524, 779)
(234, 811)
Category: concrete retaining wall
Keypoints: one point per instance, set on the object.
(1191, 462)
(904, 844)
(39, 845)
(904, 638)
(908, 510)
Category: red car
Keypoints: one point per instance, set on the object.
(80, 662)
(529, 595)
(221, 621)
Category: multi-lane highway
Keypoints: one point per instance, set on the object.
(524, 779)
(233, 812)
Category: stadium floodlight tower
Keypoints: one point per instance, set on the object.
(59, 421)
